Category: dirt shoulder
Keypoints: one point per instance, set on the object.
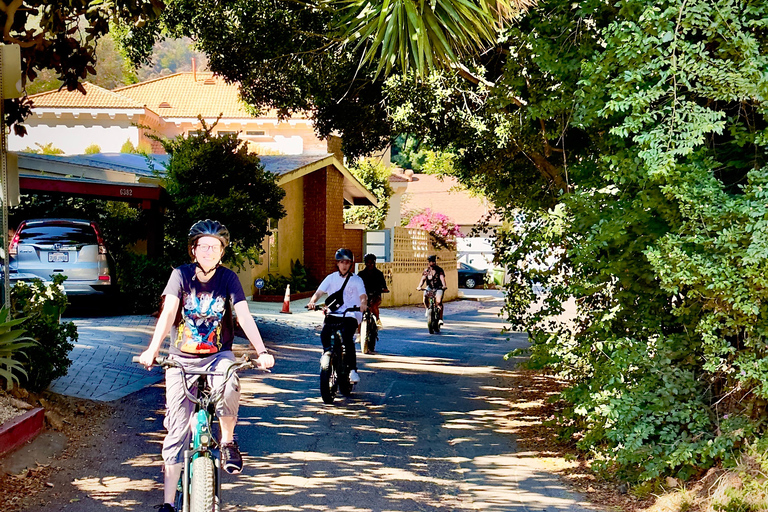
(71, 424)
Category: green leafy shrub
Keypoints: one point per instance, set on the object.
(375, 176)
(42, 304)
(93, 149)
(141, 281)
(11, 345)
(214, 176)
(300, 281)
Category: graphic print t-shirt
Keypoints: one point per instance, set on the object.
(204, 323)
(433, 277)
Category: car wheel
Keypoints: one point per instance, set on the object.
(470, 282)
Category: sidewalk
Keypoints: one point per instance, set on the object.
(101, 360)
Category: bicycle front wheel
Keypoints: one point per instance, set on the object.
(203, 485)
(328, 384)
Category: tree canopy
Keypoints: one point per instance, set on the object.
(626, 142)
(62, 37)
(212, 175)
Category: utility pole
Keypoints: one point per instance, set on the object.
(10, 87)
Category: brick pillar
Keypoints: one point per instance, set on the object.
(323, 220)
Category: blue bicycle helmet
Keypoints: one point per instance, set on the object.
(207, 227)
(344, 254)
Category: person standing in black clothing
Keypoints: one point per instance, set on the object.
(434, 277)
(375, 285)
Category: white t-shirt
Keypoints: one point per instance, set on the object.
(355, 288)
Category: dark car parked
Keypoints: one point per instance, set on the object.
(72, 247)
(470, 277)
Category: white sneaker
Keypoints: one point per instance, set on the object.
(378, 324)
(354, 378)
(356, 338)
(426, 313)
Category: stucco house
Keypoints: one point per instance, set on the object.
(310, 170)
(317, 188)
(167, 107)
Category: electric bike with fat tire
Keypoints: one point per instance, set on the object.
(334, 374)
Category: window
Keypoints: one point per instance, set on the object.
(274, 262)
(256, 133)
(226, 132)
(195, 133)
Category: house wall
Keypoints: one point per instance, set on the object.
(289, 239)
(291, 137)
(291, 227)
(73, 134)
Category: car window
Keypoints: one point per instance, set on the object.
(67, 234)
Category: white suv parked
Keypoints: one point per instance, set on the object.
(72, 247)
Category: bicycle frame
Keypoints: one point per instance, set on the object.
(203, 443)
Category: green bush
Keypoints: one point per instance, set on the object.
(43, 305)
(300, 281)
(11, 345)
(141, 280)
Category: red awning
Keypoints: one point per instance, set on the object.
(129, 192)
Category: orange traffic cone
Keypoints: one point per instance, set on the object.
(287, 300)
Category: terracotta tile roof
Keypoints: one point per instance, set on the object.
(189, 95)
(444, 195)
(94, 97)
(179, 95)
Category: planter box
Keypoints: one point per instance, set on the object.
(280, 298)
(21, 429)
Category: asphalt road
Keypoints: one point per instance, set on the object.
(426, 430)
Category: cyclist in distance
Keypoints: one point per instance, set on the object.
(198, 303)
(339, 302)
(434, 277)
(375, 285)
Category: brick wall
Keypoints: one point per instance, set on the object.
(353, 240)
(314, 223)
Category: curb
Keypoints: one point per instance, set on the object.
(20, 430)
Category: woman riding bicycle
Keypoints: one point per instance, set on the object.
(434, 277)
(353, 296)
(198, 302)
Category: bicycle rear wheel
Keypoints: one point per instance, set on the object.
(202, 485)
(373, 334)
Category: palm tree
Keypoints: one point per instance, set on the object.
(421, 35)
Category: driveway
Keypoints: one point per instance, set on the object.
(427, 429)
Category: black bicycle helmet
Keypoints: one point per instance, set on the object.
(432, 257)
(208, 227)
(344, 254)
(369, 257)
